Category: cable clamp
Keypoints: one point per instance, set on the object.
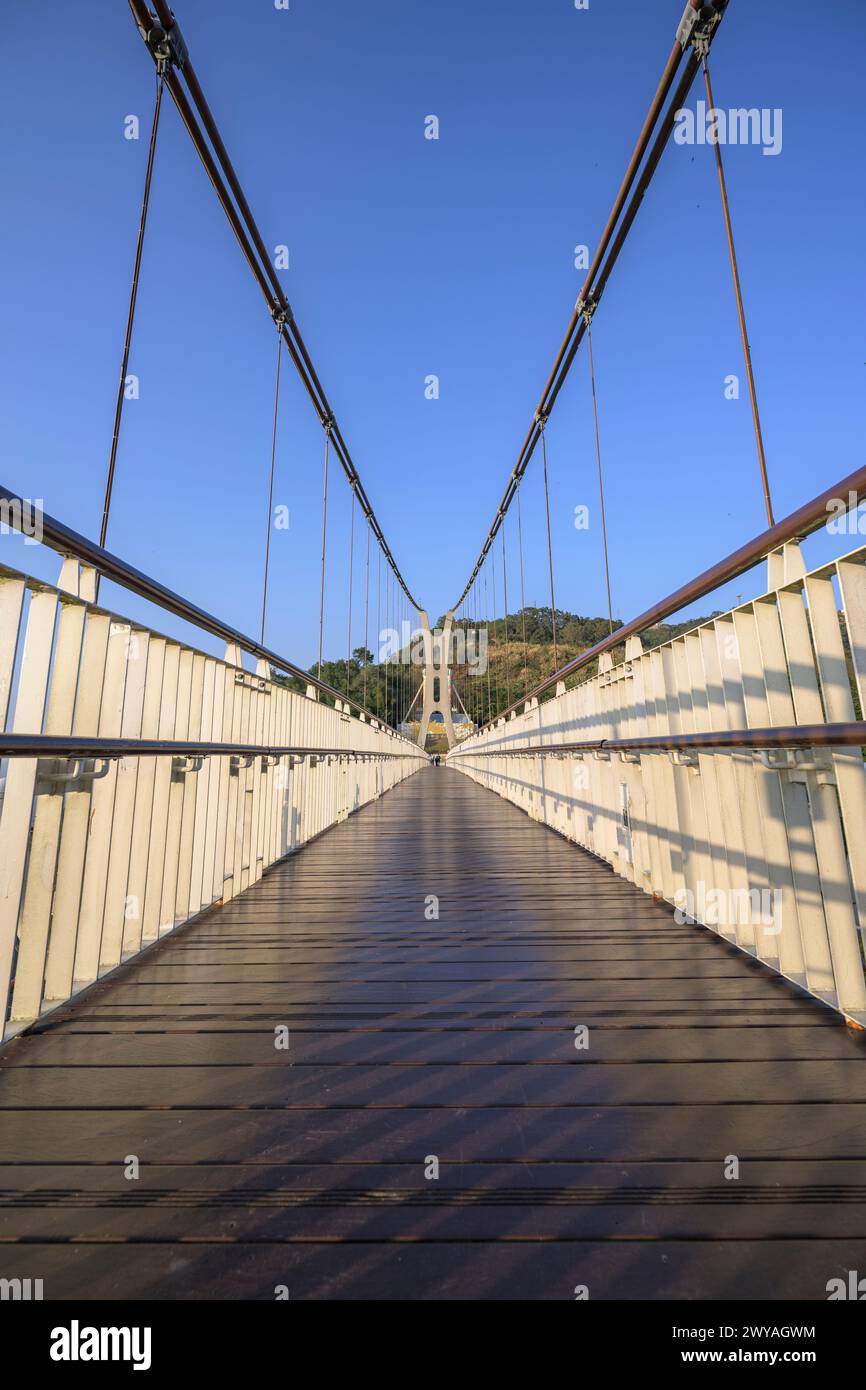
(588, 308)
(541, 418)
(168, 47)
(707, 21)
(279, 316)
(329, 422)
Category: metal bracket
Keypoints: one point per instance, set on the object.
(59, 772)
(776, 759)
(182, 764)
(239, 761)
(796, 763)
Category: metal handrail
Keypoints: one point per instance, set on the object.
(65, 541)
(847, 735)
(806, 519)
(61, 746)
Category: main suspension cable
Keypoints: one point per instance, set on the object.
(167, 47)
(699, 22)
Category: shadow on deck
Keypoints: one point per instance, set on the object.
(410, 1039)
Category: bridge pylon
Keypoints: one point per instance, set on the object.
(436, 687)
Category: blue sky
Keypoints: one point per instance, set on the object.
(410, 257)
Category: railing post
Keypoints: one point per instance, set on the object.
(91, 914)
(847, 979)
(838, 702)
(785, 947)
(72, 848)
(21, 779)
(817, 963)
(35, 922)
(162, 788)
(143, 816)
(188, 795)
(126, 776)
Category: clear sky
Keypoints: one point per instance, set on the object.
(411, 257)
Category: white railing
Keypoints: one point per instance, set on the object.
(767, 847)
(101, 856)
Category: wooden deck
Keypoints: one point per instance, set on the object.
(452, 1037)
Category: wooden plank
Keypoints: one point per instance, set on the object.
(415, 1043)
(394, 1085)
(399, 992)
(764, 1180)
(659, 1270)
(626, 1133)
(433, 1214)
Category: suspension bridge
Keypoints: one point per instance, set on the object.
(250, 1053)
